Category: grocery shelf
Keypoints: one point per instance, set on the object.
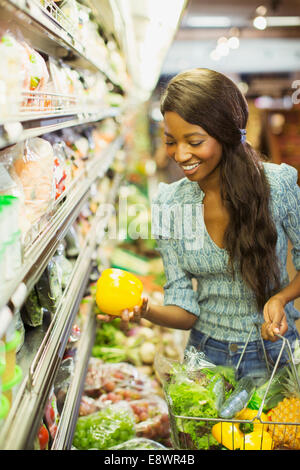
(34, 125)
(41, 354)
(67, 422)
(45, 33)
(68, 206)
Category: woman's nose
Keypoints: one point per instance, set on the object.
(182, 155)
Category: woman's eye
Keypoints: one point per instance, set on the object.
(169, 143)
(195, 144)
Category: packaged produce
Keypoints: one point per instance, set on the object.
(64, 266)
(33, 312)
(88, 406)
(13, 74)
(42, 439)
(238, 399)
(72, 243)
(51, 415)
(104, 378)
(118, 290)
(49, 287)
(151, 416)
(38, 72)
(59, 80)
(73, 339)
(30, 164)
(139, 443)
(62, 382)
(195, 388)
(105, 428)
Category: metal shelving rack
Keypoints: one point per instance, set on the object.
(41, 355)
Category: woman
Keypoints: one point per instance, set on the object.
(251, 209)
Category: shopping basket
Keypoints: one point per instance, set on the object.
(195, 433)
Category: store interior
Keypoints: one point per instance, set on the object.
(81, 156)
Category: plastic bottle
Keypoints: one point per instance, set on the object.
(10, 238)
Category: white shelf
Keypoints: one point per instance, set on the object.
(44, 33)
(38, 253)
(26, 126)
(42, 357)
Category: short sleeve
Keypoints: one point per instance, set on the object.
(178, 289)
(291, 209)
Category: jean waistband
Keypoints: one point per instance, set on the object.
(229, 347)
(201, 339)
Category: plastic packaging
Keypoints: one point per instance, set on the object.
(13, 74)
(139, 443)
(104, 378)
(10, 238)
(32, 314)
(38, 72)
(238, 399)
(72, 243)
(62, 382)
(105, 428)
(152, 419)
(30, 164)
(64, 266)
(49, 287)
(51, 415)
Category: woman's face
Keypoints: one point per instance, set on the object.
(197, 153)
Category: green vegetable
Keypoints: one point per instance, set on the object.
(33, 312)
(274, 395)
(106, 428)
(194, 400)
(238, 399)
(109, 354)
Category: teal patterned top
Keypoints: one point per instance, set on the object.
(225, 307)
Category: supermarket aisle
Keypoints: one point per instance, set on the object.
(77, 170)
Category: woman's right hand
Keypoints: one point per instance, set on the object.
(135, 315)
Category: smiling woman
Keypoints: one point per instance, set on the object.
(251, 209)
(191, 147)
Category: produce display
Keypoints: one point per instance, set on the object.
(118, 383)
(105, 428)
(228, 411)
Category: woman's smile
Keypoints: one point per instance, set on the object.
(197, 153)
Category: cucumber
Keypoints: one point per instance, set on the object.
(239, 398)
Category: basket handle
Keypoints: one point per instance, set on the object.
(258, 327)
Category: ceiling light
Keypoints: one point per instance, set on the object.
(208, 22)
(283, 20)
(261, 10)
(260, 22)
(233, 42)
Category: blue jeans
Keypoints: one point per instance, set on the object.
(254, 360)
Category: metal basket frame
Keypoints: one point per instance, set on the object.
(182, 442)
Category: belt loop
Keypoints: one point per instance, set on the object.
(203, 342)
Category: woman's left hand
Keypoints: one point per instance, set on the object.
(275, 319)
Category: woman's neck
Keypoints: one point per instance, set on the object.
(211, 184)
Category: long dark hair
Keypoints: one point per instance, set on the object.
(211, 100)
